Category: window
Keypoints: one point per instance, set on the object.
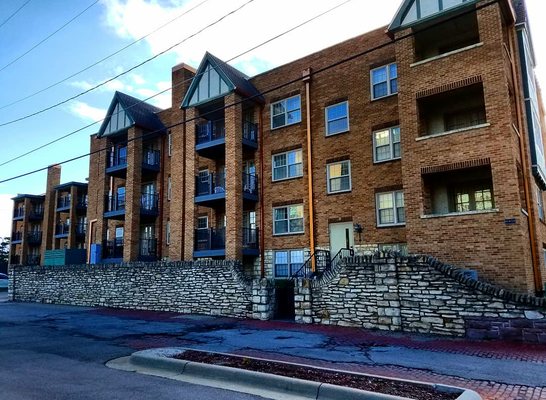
(386, 144)
(390, 208)
(287, 220)
(288, 262)
(169, 188)
(203, 222)
(168, 233)
(401, 248)
(337, 118)
(287, 165)
(476, 196)
(170, 144)
(285, 112)
(339, 176)
(384, 81)
(540, 204)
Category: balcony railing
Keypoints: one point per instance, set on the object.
(210, 130)
(117, 158)
(82, 202)
(81, 229)
(210, 184)
(112, 248)
(37, 213)
(250, 131)
(19, 212)
(63, 202)
(151, 159)
(148, 249)
(115, 203)
(149, 203)
(33, 259)
(210, 239)
(250, 183)
(250, 238)
(34, 238)
(16, 236)
(62, 229)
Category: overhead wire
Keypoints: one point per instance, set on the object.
(14, 13)
(128, 70)
(49, 36)
(178, 84)
(102, 59)
(264, 92)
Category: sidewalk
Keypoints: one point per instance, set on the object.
(496, 370)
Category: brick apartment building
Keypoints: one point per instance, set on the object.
(424, 136)
(50, 228)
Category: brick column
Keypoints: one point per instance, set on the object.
(188, 224)
(50, 203)
(133, 192)
(234, 180)
(25, 230)
(99, 183)
(71, 240)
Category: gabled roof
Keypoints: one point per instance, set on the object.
(233, 79)
(135, 112)
(412, 12)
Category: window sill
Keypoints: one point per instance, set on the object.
(444, 55)
(434, 135)
(288, 234)
(284, 126)
(386, 161)
(336, 134)
(459, 214)
(339, 192)
(286, 179)
(391, 226)
(384, 97)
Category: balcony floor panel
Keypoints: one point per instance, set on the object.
(117, 215)
(209, 253)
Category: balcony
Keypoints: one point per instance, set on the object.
(16, 237)
(250, 134)
(33, 259)
(34, 238)
(19, 213)
(210, 189)
(151, 160)
(112, 250)
(210, 137)
(62, 230)
(250, 187)
(251, 242)
(210, 242)
(149, 204)
(116, 162)
(114, 207)
(63, 203)
(82, 203)
(147, 250)
(81, 230)
(37, 214)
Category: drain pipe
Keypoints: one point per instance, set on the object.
(307, 79)
(262, 213)
(163, 156)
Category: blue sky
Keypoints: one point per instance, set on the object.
(109, 25)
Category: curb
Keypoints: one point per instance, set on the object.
(159, 362)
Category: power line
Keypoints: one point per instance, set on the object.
(262, 93)
(129, 70)
(178, 84)
(102, 59)
(14, 13)
(48, 37)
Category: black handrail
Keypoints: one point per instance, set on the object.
(323, 263)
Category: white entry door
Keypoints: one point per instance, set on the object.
(341, 237)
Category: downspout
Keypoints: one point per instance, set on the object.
(183, 183)
(162, 155)
(307, 79)
(262, 213)
(93, 221)
(530, 221)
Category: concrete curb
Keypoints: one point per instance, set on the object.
(159, 362)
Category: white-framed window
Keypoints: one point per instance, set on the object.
(338, 176)
(401, 248)
(288, 219)
(169, 188)
(337, 118)
(386, 144)
(390, 208)
(286, 112)
(384, 81)
(540, 204)
(170, 144)
(168, 233)
(203, 222)
(287, 165)
(287, 262)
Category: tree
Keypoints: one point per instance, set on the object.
(4, 250)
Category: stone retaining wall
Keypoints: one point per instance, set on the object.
(418, 294)
(211, 288)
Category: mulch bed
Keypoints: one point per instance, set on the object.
(372, 384)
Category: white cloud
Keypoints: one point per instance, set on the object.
(87, 112)
(110, 86)
(138, 79)
(6, 208)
